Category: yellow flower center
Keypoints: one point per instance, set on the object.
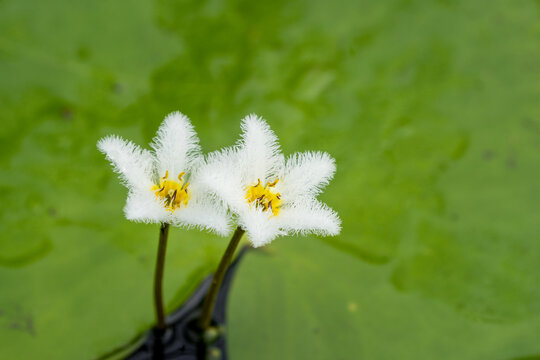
(264, 196)
(175, 193)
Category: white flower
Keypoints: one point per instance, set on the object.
(163, 184)
(271, 196)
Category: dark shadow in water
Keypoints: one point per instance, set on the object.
(181, 341)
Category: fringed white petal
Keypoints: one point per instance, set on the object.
(203, 210)
(306, 174)
(144, 206)
(261, 228)
(309, 216)
(222, 175)
(204, 215)
(176, 145)
(133, 164)
(259, 153)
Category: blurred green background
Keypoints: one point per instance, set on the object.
(431, 109)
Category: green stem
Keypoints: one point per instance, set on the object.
(158, 276)
(210, 300)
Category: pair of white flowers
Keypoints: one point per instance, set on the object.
(250, 182)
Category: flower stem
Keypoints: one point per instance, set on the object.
(210, 300)
(158, 276)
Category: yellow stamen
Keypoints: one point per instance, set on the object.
(264, 196)
(172, 192)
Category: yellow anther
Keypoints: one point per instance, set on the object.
(264, 196)
(173, 193)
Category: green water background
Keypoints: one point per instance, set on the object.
(431, 109)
